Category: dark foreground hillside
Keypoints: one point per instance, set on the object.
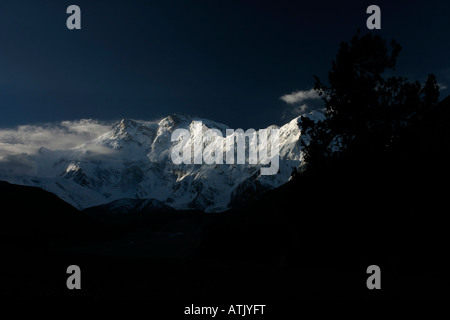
(156, 256)
(32, 216)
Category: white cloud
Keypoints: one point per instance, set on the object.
(28, 139)
(442, 86)
(299, 96)
(296, 101)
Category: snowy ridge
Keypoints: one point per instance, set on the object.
(132, 160)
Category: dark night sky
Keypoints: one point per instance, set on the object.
(228, 61)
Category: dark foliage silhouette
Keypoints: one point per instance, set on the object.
(367, 111)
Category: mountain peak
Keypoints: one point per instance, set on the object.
(125, 123)
(128, 132)
(174, 120)
(121, 131)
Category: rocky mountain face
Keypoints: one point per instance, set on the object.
(133, 160)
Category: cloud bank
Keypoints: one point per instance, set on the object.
(299, 96)
(28, 139)
(442, 86)
(296, 101)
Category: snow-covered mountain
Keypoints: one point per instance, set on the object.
(133, 160)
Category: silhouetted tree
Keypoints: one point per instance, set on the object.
(366, 110)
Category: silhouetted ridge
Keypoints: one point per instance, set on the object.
(33, 214)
